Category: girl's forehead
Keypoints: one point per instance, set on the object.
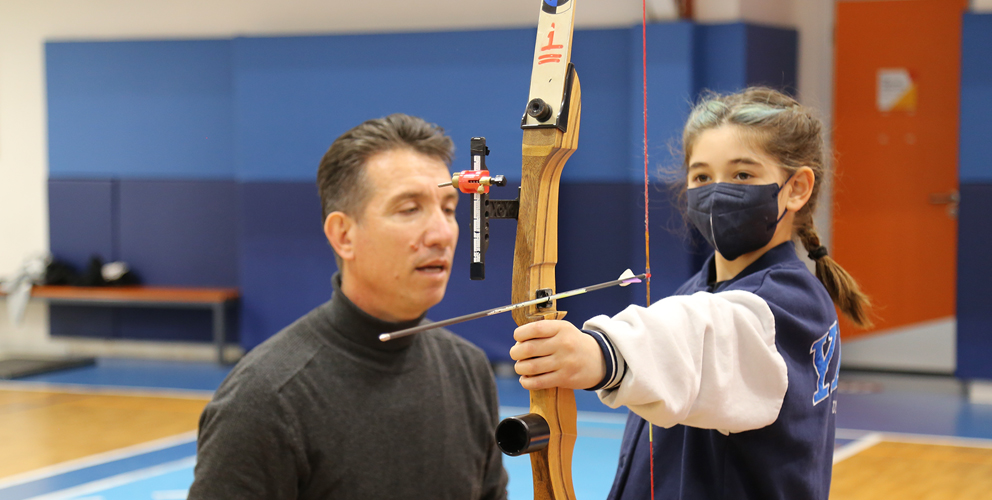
(727, 143)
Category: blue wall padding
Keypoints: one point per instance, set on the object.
(976, 98)
(670, 90)
(974, 338)
(82, 222)
(772, 57)
(165, 324)
(285, 263)
(182, 233)
(242, 210)
(720, 57)
(732, 56)
(177, 233)
(671, 87)
(672, 250)
(603, 153)
(295, 95)
(140, 109)
(77, 321)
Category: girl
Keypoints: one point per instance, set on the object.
(737, 370)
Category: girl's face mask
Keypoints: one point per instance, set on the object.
(735, 218)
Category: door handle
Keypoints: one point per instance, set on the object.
(951, 198)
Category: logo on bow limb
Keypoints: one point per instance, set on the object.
(556, 6)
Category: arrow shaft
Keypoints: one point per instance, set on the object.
(499, 310)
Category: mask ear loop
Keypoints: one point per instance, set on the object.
(780, 188)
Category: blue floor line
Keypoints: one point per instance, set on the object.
(168, 481)
(69, 479)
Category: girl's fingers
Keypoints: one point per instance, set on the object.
(536, 366)
(539, 330)
(545, 381)
(534, 348)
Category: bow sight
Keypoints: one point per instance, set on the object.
(477, 182)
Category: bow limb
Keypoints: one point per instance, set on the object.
(546, 148)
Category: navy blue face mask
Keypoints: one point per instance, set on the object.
(735, 218)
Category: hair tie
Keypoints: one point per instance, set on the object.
(818, 253)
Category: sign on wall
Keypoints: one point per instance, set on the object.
(896, 90)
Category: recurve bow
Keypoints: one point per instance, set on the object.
(550, 135)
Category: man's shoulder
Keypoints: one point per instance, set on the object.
(276, 361)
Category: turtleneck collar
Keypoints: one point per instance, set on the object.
(360, 327)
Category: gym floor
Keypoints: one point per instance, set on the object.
(126, 429)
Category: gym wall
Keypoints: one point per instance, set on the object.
(195, 160)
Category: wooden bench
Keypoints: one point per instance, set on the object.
(217, 300)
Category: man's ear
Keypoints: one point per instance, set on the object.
(802, 188)
(338, 228)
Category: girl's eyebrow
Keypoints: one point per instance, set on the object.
(745, 160)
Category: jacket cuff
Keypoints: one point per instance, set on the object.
(614, 372)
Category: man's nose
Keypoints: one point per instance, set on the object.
(441, 231)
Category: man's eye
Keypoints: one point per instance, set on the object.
(409, 209)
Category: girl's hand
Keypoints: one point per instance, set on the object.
(553, 353)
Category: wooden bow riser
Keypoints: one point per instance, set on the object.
(535, 254)
(545, 152)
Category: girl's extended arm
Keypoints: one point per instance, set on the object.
(704, 360)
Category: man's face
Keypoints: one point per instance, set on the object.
(404, 241)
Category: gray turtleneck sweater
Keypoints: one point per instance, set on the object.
(324, 410)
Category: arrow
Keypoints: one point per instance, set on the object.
(625, 279)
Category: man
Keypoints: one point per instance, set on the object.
(324, 409)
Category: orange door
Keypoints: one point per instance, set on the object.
(896, 99)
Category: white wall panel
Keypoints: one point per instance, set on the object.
(925, 347)
(814, 19)
(767, 12)
(981, 6)
(717, 11)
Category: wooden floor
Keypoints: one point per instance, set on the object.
(39, 428)
(44, 427)
(911, 471)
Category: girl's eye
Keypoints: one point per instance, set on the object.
(743, 176)
(700, 178)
